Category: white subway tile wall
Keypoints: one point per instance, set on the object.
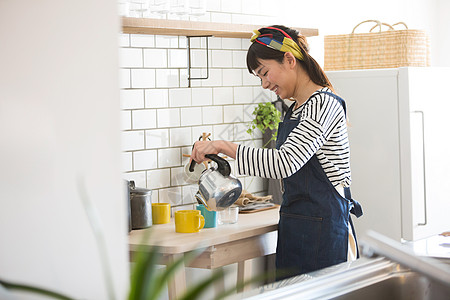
(197, 131)
(144, 118)
(166, 41)
(222, 59)
(126, 119)
(223, 132)
(132, 99)
(127, 161)
(231, 43)
(141, 40)
(145, 160)
(198, 58)
(223, 95)
(177, 176)
(233, 113)
(162, 117)
(158, 138)
(180, 137)
(124, 40)
(167, 78)
(155, 58)
(131, 57)
(169, 157)
(191, 116)
(171, 195)
(231, 6)
(232, 77)
(155, 98)
(157, 179)
(180, 97)
(143, 78)
(133, 140)
(212, 115)
(178, 58)
(124, 78)
(168, 117)
(201, 96)
(241, 94)
(220, 17)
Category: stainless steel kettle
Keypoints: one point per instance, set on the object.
(217, 188)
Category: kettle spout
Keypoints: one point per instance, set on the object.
(209, 205)
(200, 199)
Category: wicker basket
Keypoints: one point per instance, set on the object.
(375, 50)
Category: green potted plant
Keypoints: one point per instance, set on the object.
(267, 117)
(147, 281)
(266, 120)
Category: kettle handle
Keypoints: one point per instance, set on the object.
(222, 165)
(192, 166)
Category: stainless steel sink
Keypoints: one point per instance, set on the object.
(388, 271)
(365, 279)
(399, 286)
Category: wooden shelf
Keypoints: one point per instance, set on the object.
(192, 28)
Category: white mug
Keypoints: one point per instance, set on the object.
(193, 177)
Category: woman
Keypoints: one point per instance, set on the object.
(311, 156)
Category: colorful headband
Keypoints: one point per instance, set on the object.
(277, 39)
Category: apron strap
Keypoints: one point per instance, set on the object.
(344, 106)
(356, 207)
(288, 114)
(357, 211)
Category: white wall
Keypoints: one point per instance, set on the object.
(441, 44)
(340, 17)
(59, 122)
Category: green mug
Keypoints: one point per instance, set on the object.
(209, 215)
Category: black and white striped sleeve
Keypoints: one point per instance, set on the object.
(318, 121)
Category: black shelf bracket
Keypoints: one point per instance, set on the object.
(189, 58)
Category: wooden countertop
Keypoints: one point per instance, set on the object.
(171, 242)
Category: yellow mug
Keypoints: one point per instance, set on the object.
(188, 221)
(160, 213)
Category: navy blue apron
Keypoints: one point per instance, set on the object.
(314, 217)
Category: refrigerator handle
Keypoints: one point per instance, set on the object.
(424, 172)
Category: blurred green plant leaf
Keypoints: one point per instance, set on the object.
(33, 289)
(147, 279)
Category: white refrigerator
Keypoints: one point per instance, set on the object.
(399, 123)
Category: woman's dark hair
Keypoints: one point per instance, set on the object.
(257, 51)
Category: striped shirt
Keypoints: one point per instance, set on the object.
(322, 130)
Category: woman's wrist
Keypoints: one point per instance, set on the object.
(217, 145)
(227, 148)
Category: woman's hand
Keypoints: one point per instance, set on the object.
(203, 147)
(212, 147)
